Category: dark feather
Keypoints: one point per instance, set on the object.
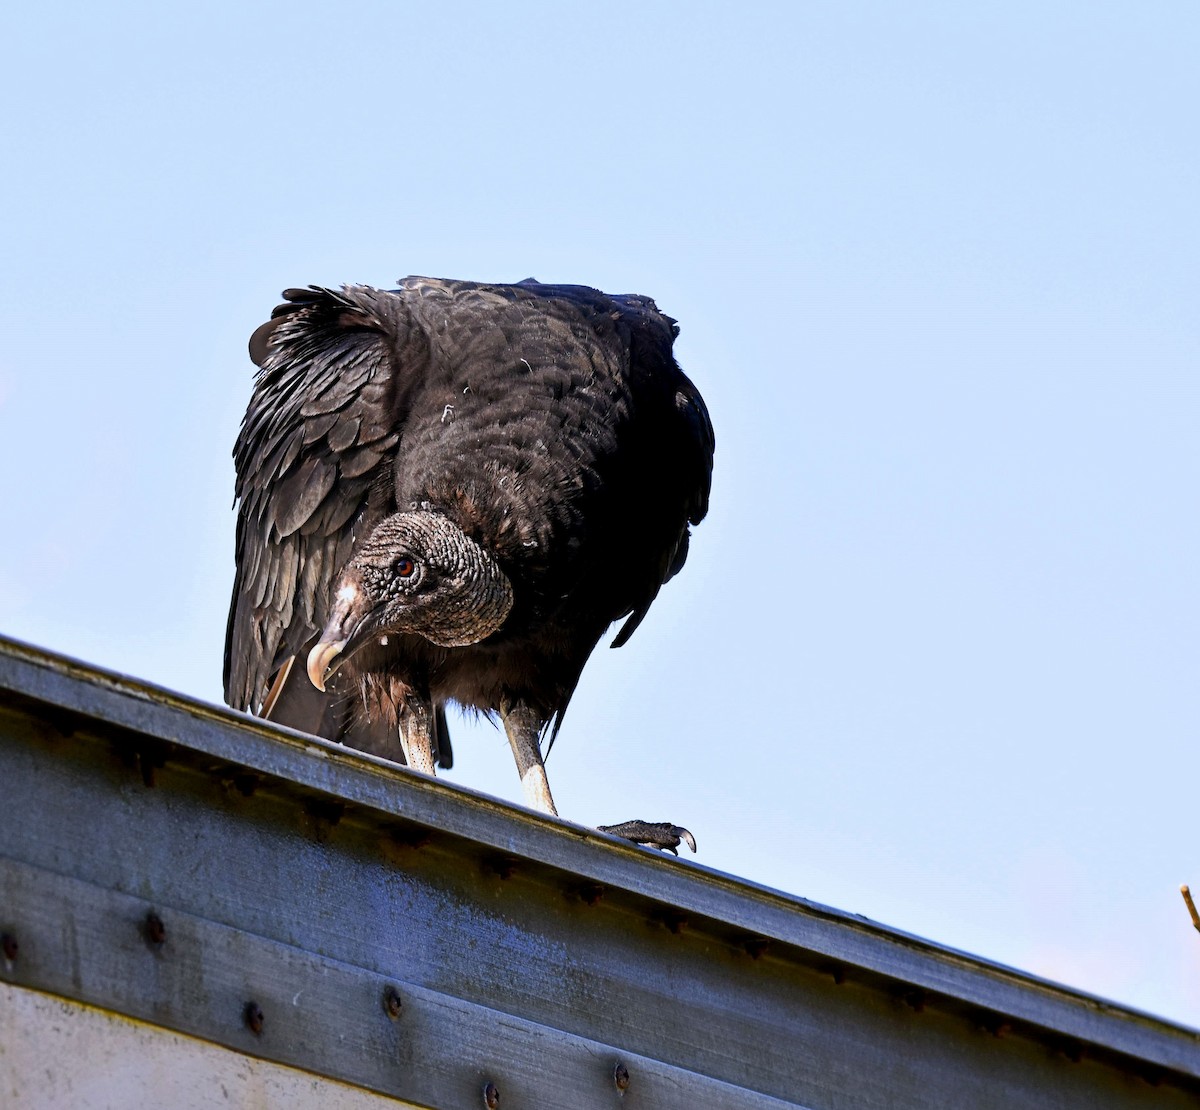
(550, 423)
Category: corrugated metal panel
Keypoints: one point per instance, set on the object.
(259, 889)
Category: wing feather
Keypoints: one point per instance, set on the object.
(354, 464)
(312, 459)
(317, 426)
(298, 495)
(344, 433)
(683, 445)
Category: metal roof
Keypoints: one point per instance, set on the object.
(296, 901)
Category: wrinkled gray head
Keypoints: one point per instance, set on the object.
(415, 573)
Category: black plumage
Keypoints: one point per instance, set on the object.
(452, 489)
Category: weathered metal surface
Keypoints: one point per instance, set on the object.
(266, 891)
(284, 1003)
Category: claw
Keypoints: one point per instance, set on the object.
(655, 834)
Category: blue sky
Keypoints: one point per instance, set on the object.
(933, 658)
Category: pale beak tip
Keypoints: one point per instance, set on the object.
(323, 653)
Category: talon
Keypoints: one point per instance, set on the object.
(654, 834)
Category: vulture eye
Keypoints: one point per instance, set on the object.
(404, 566)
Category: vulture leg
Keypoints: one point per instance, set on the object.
(524, 728)
(416, 735)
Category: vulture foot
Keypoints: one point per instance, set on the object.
(655, 834)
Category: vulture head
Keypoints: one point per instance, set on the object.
(416, 573)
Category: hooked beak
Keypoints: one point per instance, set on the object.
(346, 626)
(323, 653)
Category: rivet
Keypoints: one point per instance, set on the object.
(591, 893)
(1073, 1051)
(9, 946)
(491, 1096)
(409, 836)
(391, 1002)
(325, 816)
(502, 866)
(621, 1077)
(756, 947)
(252, 1015)
(153, 929)
(150, 757)
(674, 920)
(1152, 1075)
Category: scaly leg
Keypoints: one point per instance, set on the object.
(416, 735)
(524, 728)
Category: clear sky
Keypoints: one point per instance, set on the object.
(934, 656)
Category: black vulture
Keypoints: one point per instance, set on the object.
(448, 492)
